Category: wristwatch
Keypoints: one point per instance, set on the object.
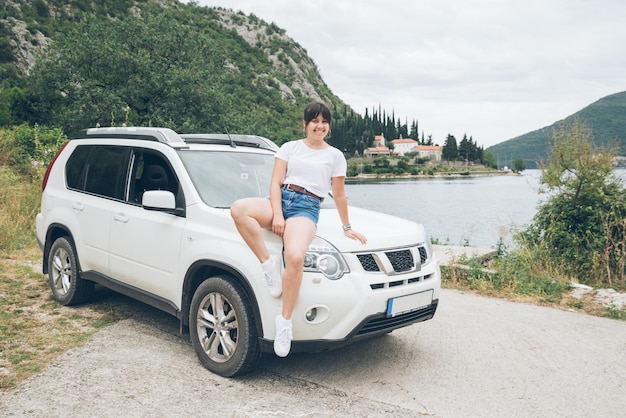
(346, 227)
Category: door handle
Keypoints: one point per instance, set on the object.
(78, 206)
(120, 217)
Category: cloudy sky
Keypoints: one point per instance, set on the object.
(491, 69)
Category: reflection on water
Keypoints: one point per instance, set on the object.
(475, 211)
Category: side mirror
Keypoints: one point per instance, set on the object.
(159, 200)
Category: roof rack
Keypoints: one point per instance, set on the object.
(171, 138)
(234, 139)
(164, 135)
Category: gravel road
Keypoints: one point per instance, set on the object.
(478, 357)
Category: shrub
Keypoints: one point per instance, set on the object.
(24, 148)
(581, 227)
(25, 153)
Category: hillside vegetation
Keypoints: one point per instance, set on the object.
(153, 63)
(75, 64)
(606, 118)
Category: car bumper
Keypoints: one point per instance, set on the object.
(332, 313)
(371, 326)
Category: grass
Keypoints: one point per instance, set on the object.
(19, 203)
(616, 313)
(523, 276)
(34, 329)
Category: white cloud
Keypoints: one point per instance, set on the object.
(493, 69)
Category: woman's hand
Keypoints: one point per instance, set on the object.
(356, 235)
(278, 225)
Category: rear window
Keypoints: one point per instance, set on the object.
(98, 169)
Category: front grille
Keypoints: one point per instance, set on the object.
(383, 323)
(368, 262)
(401, 261)
(423, 254)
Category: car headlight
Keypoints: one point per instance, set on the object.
(323, 257)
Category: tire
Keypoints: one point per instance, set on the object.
(222, 328)
(68, 288)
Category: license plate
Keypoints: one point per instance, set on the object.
(408, 303)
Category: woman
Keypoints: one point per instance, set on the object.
(304, 172)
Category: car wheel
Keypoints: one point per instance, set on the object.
(222, 327)
(68, 288)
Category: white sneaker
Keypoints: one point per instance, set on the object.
(274, 279)
(282, 341)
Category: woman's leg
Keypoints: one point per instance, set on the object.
(299, 232)
(251, 216)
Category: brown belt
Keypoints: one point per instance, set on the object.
(301, 190)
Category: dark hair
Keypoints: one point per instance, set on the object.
(314, 109)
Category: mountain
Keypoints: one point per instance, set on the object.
(75, 64)
(606, 118)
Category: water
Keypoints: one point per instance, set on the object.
(461, 211)
(475, 211)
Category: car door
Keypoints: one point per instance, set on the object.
(95, 178)
(145, 244)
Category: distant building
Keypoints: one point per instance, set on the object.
(379, 148)
(403, 145)
(432, 152)
(377, 152)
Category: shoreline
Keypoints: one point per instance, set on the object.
(452, 174)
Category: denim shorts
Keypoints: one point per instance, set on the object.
(298, 204)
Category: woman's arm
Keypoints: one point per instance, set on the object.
(278, 176)
(341, 201)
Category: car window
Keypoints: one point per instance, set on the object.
(98, 169)
(150, 171)
(75, 167)
(223, 177)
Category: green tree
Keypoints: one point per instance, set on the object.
(465, 149)
(132, 71)
(381, 162)
(414, 132)
(518, 165)
(402, 166)
(450, 151)
(489, 159)
(582, 225)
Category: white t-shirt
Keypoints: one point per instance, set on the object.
(311, 168)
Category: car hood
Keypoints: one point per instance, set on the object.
(381, 230)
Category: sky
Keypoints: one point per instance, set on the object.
(488, 69)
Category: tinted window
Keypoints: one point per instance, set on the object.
(151, 171)
(75, 168)
(98, 169)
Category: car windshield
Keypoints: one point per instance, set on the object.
(223, 177)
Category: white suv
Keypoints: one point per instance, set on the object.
(145, 212)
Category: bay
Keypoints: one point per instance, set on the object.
(476, 211)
